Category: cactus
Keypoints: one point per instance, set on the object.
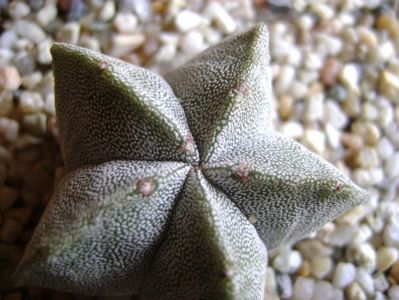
(175, 187)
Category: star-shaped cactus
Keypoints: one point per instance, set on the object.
(175, 187)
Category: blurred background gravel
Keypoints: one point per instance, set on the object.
(335, 70)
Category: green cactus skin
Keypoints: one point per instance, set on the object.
(175, 187)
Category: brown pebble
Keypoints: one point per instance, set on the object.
(352, 141)
(21, 214)
(394, 272)
(8, 196)
(10, 230)
(389, 23)
(330, 71)
(285, 107)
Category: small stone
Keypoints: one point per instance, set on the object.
(270, 284)
(43, 52)
(10, 230)
(330, 71)
(367, 158)
(392, 165)
(389, 23)
(8, 197)
(35, 123)
(315, 107)
(25, 62)
(30, 81)
(364, 255)
(334, 115)
(315, 140)
(107, 11)
(284, 79)
(9, 129)
(362, 235)
(344, 274)
(381, 283)
(320, 267)
(393, 292)
(187, 20)
(312, 61)
(165, 54)
(389, 85)
(125, 22)
(365, 280)
(30, 102)
(355, 292)
(123, 44)
(321, 10)
(7, 39)
(303, 288)
(350, 76)
(288, 261)
(322, 290)
(342, 235)
(310, 249)
(192, 43)
(292, 129)
(394, 272)
(29, 30)
(221, 17)
(333, 136)
(18, 9)
(285, 285)
(369, 111)
(391, 234)
(372, 133)
(69, 33)
(385, 149)
(352, 216)
(47, 14)
(352, 141)
(386, 257)
(285, 106)
(10, 79)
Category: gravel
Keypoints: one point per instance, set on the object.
(336, 88)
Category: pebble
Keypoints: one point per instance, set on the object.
(6, 103)
(342, 235)
(320, 267)
(303, 288)
(392, 165)
(394, 272)
(330, 71)
(35, 123)
(315, 140)
(381, 283)
(187, 20)
(10, 79)
(24, 62)
(292, 129)
(270, 284)
(333, 136)
(10, 230)
(47, 14)
(284, 283)
(284, 79)
(221, 17)
(8, 197)
(123, 44)
(322, 290)
(363, 234)
(311, 249)
(334, 115)
(285, 106)
(288, 261)
(107, 11)
(344, 274)
(365, 280)
(18, 9)
(389, 23)
(29, 30)
(125, 22)
(315, 107)
(355, 292)
(30, 102)
(391, 234)
(386, 257)
(9, 129)
(322, 10)
(350, 76)
(393, 293)
(192, 43)
(69, 33)
(30, 81)
(165, 53)
(352, 216)
(389, 85)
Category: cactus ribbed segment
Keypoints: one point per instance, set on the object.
(175, 192)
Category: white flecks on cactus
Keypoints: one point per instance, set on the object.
(176, 187)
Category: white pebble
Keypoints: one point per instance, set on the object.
(192, 43)
(107, 11)
(8, 38)
(365, 280)
(30, 102)
(333, 136)
(69, 33)
(303, 288)
(125, 22)
(392, 165)
(335, 115)
(381, 283)
(391, 234)
(29, 30)
(165, 54)
(18, 9)
(385, 148)
(288, 261)
(315, 140)
(284, 79)
(47, 14)
(292, 129)
(393, 292)
(366, 257)
(222, 18)
(323, 11)
(350, 76)
(43, 52)
(123, 44)
(344, 274)
(322, 290)
(315, 107)
(386, 256)
(187, 20)
(362, 235)
(312, 61)
(342, 235)
(32, 80)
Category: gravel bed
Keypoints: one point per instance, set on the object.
(335, 67)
